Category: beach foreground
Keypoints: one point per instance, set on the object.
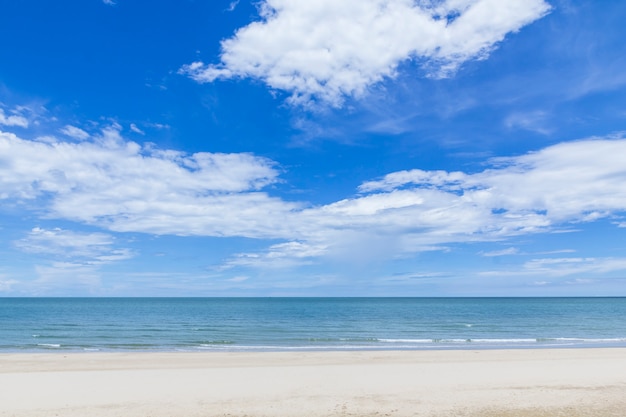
(486, 383)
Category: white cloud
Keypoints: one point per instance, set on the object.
(6, 285)
(90, 248)
(503, 252)
(109, 2)
(435, 179)
(555, 252)
(416, 211)
(135, 129)
(74, 132)
(570, 266)
(568, 182)
(158, 126)
(535, 121)
(58, 277)
(233, 5)
(563, 267)
(121, 186)
(66, 259)
(238, 279)
(328, 49)
(282, 255)
(12, 120)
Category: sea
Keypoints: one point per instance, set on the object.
(308, 324)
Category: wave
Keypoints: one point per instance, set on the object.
(583, 340)
(327, 343)
(216, 342)
(508, 341)
(49, 345)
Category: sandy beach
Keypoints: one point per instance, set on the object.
(498, 383)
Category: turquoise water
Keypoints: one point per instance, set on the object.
(234, 324)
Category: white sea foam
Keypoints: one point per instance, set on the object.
(499, 340)
(504, 340)
(586, 340)
(406, 340)
(49, 345)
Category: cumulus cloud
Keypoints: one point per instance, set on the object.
(568, 182)
(119, 185)
(122, 186)
(415, 211)
(328, 50)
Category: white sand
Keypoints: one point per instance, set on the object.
(485, 383)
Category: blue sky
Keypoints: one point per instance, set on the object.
(297, 148)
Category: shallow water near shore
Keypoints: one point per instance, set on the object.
(283, 324)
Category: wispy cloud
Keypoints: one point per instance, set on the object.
(282, 255)
(535, 121)
(89, 248)
(328, 50)
(134, 128)
(503, 252)
(6, 284)
(58, 277)
(13, 119)
(69, 259)
(233, 5)
(564, 267)
(159, 126)
(74, 132)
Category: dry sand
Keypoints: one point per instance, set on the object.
(484, 383)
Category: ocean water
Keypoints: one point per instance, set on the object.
(277, 324)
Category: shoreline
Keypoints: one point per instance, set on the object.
(486, 382)
(54, 349)
(309, 349)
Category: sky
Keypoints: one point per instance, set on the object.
(313, 148)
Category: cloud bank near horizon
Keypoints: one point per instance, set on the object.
(118, 185)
